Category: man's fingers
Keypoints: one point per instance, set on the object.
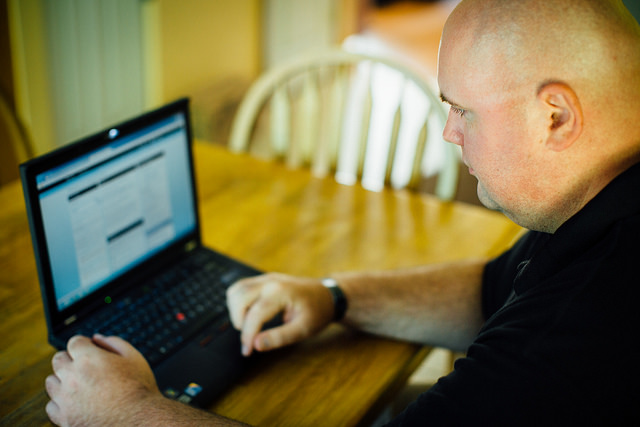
(52, 385)
(115, 345)
(53, 411)
(78, 345)
(107, 343)
(59, 361)
(240, 296)
(280, 336)
(259, 313)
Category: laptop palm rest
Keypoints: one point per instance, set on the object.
(204, 369)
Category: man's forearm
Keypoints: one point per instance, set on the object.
(162, 411)
(436, 305)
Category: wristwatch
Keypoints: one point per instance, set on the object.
(339, 300)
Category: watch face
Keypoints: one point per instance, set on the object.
(329, 282)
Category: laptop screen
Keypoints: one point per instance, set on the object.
(110, 209)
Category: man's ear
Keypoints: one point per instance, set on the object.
(563, 113)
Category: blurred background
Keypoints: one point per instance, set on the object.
(71, 67)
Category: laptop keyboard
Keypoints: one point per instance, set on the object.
(172, 308)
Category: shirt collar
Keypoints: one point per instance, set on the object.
(618, 200)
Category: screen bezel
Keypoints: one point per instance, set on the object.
(57, 319)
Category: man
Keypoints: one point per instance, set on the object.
(544, 103)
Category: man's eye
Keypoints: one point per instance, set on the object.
(458, 111)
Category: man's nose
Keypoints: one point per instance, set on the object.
(451, 132)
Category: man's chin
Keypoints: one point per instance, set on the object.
(486, 200)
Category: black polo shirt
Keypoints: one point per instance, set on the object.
(560, 343)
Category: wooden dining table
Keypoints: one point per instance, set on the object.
(276, 219)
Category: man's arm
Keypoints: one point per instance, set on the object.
(437, 305)
(105, 381)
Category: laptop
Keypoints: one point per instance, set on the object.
(116, 235)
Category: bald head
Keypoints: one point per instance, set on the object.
(546, 95)
(569, 40)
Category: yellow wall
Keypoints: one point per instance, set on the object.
(204, 42)
(31, 82)
(208, 50)
(188, 47)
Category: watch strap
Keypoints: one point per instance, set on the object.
(339, 300)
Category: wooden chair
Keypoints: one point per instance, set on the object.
(360, 118)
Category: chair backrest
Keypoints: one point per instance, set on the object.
(358, 117)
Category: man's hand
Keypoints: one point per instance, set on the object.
(306, 306)
(96, 380)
